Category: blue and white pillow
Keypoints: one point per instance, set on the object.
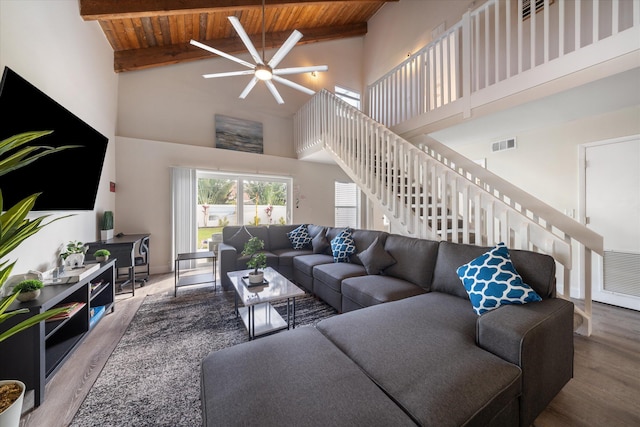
(343, 246)
(299, 237)
(491, 281)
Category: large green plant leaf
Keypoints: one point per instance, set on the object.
(11, 160)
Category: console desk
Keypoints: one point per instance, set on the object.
(123, 248)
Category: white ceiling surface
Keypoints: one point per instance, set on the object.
(605, 95)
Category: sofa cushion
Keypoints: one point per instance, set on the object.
(305, 263)
(320, 243)
(333, 274)
(377, 289)
(415, 259)
(239, 239)
(278, 238)
(293, 378)
(537, 270)
(491, 281)
(363, 239)
(375, 258)
(343, 246)
(299, 237)
(314, 230)
(422, 351)
(241, 261)
(286, 256)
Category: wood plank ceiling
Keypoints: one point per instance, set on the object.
(152, 33)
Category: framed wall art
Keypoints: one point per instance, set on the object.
(238, 134)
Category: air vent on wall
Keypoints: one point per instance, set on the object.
(506, 144)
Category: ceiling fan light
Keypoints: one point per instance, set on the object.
(263, 72)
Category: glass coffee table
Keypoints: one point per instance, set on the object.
(258, 315)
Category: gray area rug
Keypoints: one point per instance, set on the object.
(152, 378)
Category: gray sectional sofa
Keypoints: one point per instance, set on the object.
(409, 347)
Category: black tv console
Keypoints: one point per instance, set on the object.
(34, 355)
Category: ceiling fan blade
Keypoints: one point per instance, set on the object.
(248, 88)
(285, 48)
(298, 70)
(228, 74)
(245, 39)
(274, 91)
(221, 53)
(293, 85)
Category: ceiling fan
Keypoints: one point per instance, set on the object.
(263, 70)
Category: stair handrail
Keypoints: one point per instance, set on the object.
(372, 155)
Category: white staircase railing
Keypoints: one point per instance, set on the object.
(434, 193)
(493, 52)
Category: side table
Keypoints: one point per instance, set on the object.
(195, 279)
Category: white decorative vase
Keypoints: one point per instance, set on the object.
(106, 234)
(10, 417)
(74, 260)
(28, 296)
(256, 278)
(102, 258)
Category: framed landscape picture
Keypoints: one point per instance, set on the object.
(238, 134)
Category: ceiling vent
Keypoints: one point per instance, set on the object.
(506, 144)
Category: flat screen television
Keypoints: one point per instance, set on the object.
(68, 180)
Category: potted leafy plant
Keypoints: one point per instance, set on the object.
(101, 255)
(28, 289)
(16, 228)
(73, 256)
(258, 259)
(106, 226)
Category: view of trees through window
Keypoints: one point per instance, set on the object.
(263, 201)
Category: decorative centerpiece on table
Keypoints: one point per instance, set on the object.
(258, 259)
(73, 256)
(14, 153)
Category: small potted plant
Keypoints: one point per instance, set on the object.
(101, 255)
(73, 256)
(106, 227)
(258, 259)
(29, 289)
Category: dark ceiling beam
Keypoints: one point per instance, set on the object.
(91, 10)
(138, 59)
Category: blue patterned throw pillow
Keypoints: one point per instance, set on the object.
(299, 237)
(343, 246)
(491, 281)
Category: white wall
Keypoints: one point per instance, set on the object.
(546, 161)
(405, 27)
(176, 104)
(166, 118)
(47, 43)
(144, 196)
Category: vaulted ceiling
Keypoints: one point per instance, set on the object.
(152, 33)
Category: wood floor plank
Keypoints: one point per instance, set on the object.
(605, 389)
(65, 392)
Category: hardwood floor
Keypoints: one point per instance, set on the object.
(605, 390)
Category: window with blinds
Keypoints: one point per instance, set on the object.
(347, 206)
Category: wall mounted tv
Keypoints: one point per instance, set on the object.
(68, 180)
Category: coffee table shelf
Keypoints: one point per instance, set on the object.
(257, 313)
(195, 279)
(267, 319)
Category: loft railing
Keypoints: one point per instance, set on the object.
(503, 47)
(431, 191)
(434, 193)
